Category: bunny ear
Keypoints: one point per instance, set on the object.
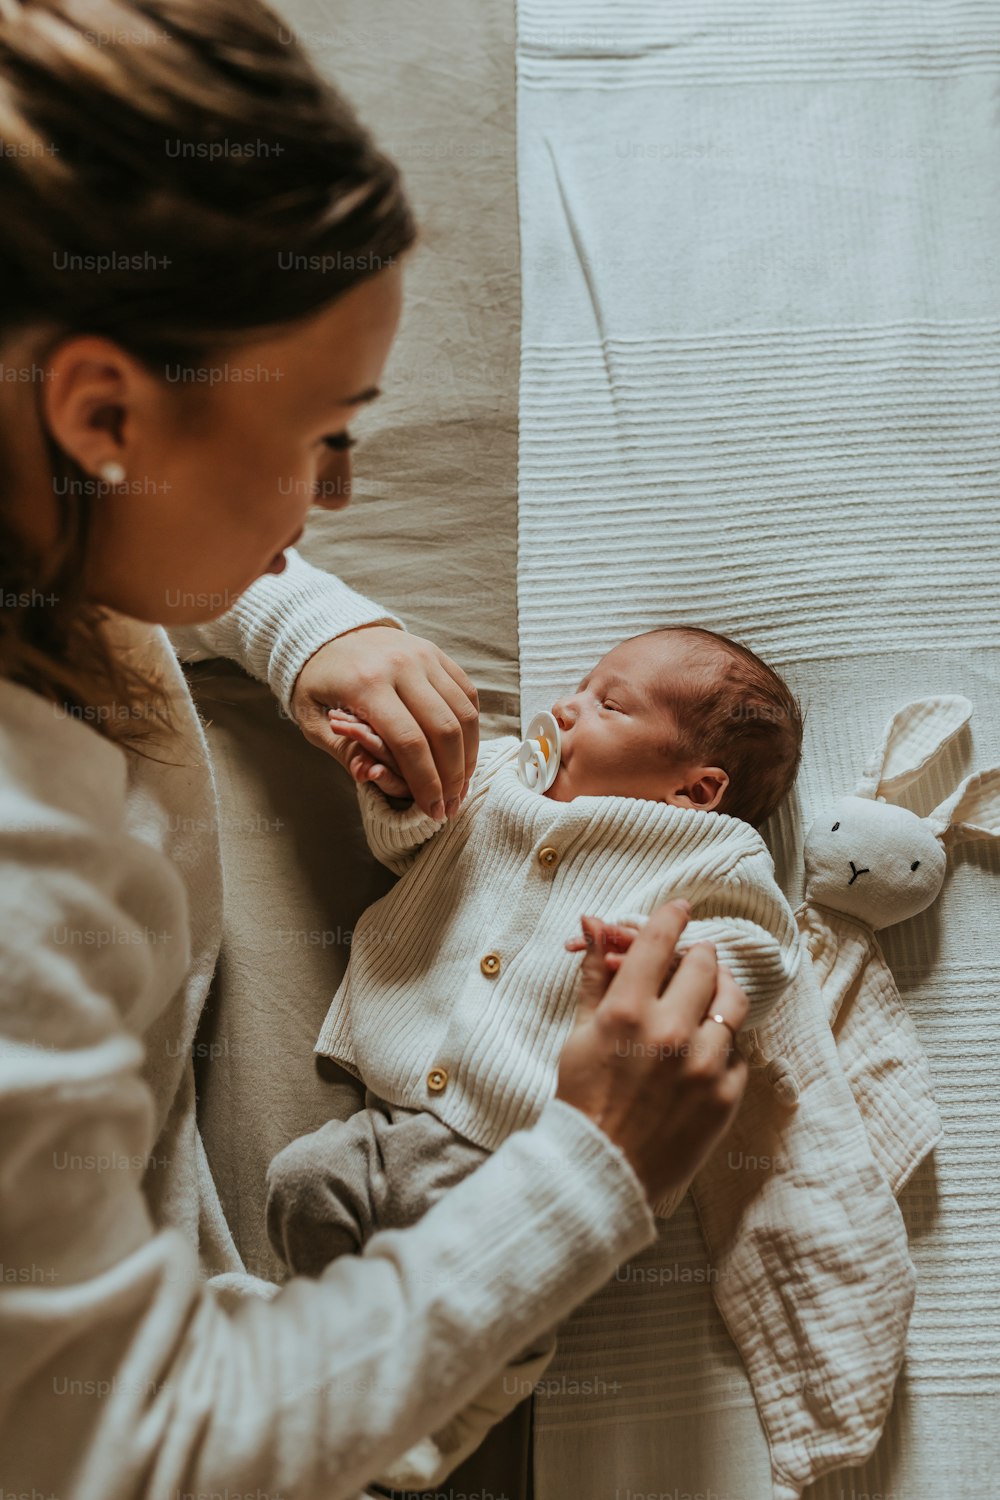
(913, 737)
(971, 812)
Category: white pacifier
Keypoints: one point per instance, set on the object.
(538, 758)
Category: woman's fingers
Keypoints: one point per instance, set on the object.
(470, 721)
(412, 751)
(713, 1044)
(648, 1064)
(461, 696)
(461, 679)
(644, 969)
(355, 760)
(681, 1025)
(719, 1036)
(373, 761)
(353, 728)
(594, 974)
(387, 781)
(730, 1001)
(444, 737)
(410, 693)
(349, 726)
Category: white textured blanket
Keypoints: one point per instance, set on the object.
(761, 392)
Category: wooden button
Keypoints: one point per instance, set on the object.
(490, 964)
(436, 1079)
(548, 857)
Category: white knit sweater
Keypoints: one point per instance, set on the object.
(460, 994)
(123, 1373)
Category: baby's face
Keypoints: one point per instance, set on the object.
(617, 732)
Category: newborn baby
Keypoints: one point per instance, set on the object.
(460, 992)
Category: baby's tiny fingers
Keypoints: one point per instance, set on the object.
(353, 729)
(360, 733)
(361, 765)
(620, 937)
(387, 781)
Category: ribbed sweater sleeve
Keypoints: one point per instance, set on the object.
(745, 914)
(123, 1377)
(396, 836)
(753, 927)
(279, 622)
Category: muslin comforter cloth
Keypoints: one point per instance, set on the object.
(760, 365)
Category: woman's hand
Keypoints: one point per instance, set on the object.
(418, 702)
(365, 755)
(645, 1060)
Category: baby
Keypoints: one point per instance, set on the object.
(460, 990)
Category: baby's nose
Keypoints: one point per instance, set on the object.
(563, 715)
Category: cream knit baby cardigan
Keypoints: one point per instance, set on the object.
(460, 994)
(458, 997)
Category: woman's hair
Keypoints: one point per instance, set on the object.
(176, 176)
(736, 711)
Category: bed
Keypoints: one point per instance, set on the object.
(753, 384)
(436, 481)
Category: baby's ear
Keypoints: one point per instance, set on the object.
(971, 812)
(914, 736)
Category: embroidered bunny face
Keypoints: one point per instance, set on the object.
(880, 863)
(873, 861)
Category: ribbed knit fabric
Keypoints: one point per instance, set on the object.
(421, 996)
(760, 356)
(125, 1376)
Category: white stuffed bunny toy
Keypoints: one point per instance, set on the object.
(869, 864)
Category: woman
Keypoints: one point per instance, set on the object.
(151, 270)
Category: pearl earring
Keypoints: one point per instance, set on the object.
(111, 471)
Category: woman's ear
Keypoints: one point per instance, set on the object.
(86, 399)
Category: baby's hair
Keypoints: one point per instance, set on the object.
(736, 712)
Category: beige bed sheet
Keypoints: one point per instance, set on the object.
(431, 534)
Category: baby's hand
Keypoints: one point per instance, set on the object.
(364, 755)
(615, 937)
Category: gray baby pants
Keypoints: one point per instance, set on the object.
(382, 1168)
(329, 1192)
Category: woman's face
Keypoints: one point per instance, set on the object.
(220, 475)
